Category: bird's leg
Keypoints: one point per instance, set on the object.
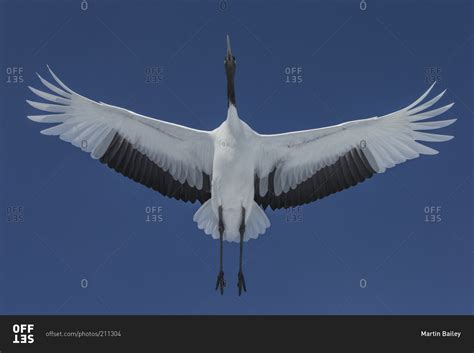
(220, 277)
(241, 279)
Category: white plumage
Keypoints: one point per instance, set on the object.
(233, 156)
(387, 141)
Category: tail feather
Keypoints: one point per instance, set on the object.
(257, 223)
(207, 220)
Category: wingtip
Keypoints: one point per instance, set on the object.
(34, 90)
(33, 118)
(50, 71)
(430, 88)
(40, 77)
(421, 98)
(56, 78)
(451, 121)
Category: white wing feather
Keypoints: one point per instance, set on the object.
(184, 152)
(386, 141)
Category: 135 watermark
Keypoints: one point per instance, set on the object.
(154, 74)
(15, 214)
(154, 214)
(432, 74)
(293, 74)
(432, 214)
(294, 214)
(14, 74)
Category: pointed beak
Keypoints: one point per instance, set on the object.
(229, 51)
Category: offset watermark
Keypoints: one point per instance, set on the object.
(294, 214)
(154, 214)
(154, 74)
(432, 214)
(15, 214)
(432, 74)
(293, 74)
(14, 74)
(23, 333)
(80, 334)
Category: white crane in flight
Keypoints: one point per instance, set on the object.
(233, 171)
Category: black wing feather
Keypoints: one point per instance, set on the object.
(125, 159)
(349, 170)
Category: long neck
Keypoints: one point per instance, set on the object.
(233, 118)
(230, 91)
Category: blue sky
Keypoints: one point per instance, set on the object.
(77, 240)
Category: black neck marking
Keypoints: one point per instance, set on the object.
(230, 91)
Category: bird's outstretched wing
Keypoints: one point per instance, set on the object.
(172, 159)
(300, 167)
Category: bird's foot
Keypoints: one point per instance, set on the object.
(220, 283)
(241, 282)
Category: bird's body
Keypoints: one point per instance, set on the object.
(232, 186)
(233, 171)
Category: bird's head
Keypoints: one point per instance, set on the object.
(229, 61)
